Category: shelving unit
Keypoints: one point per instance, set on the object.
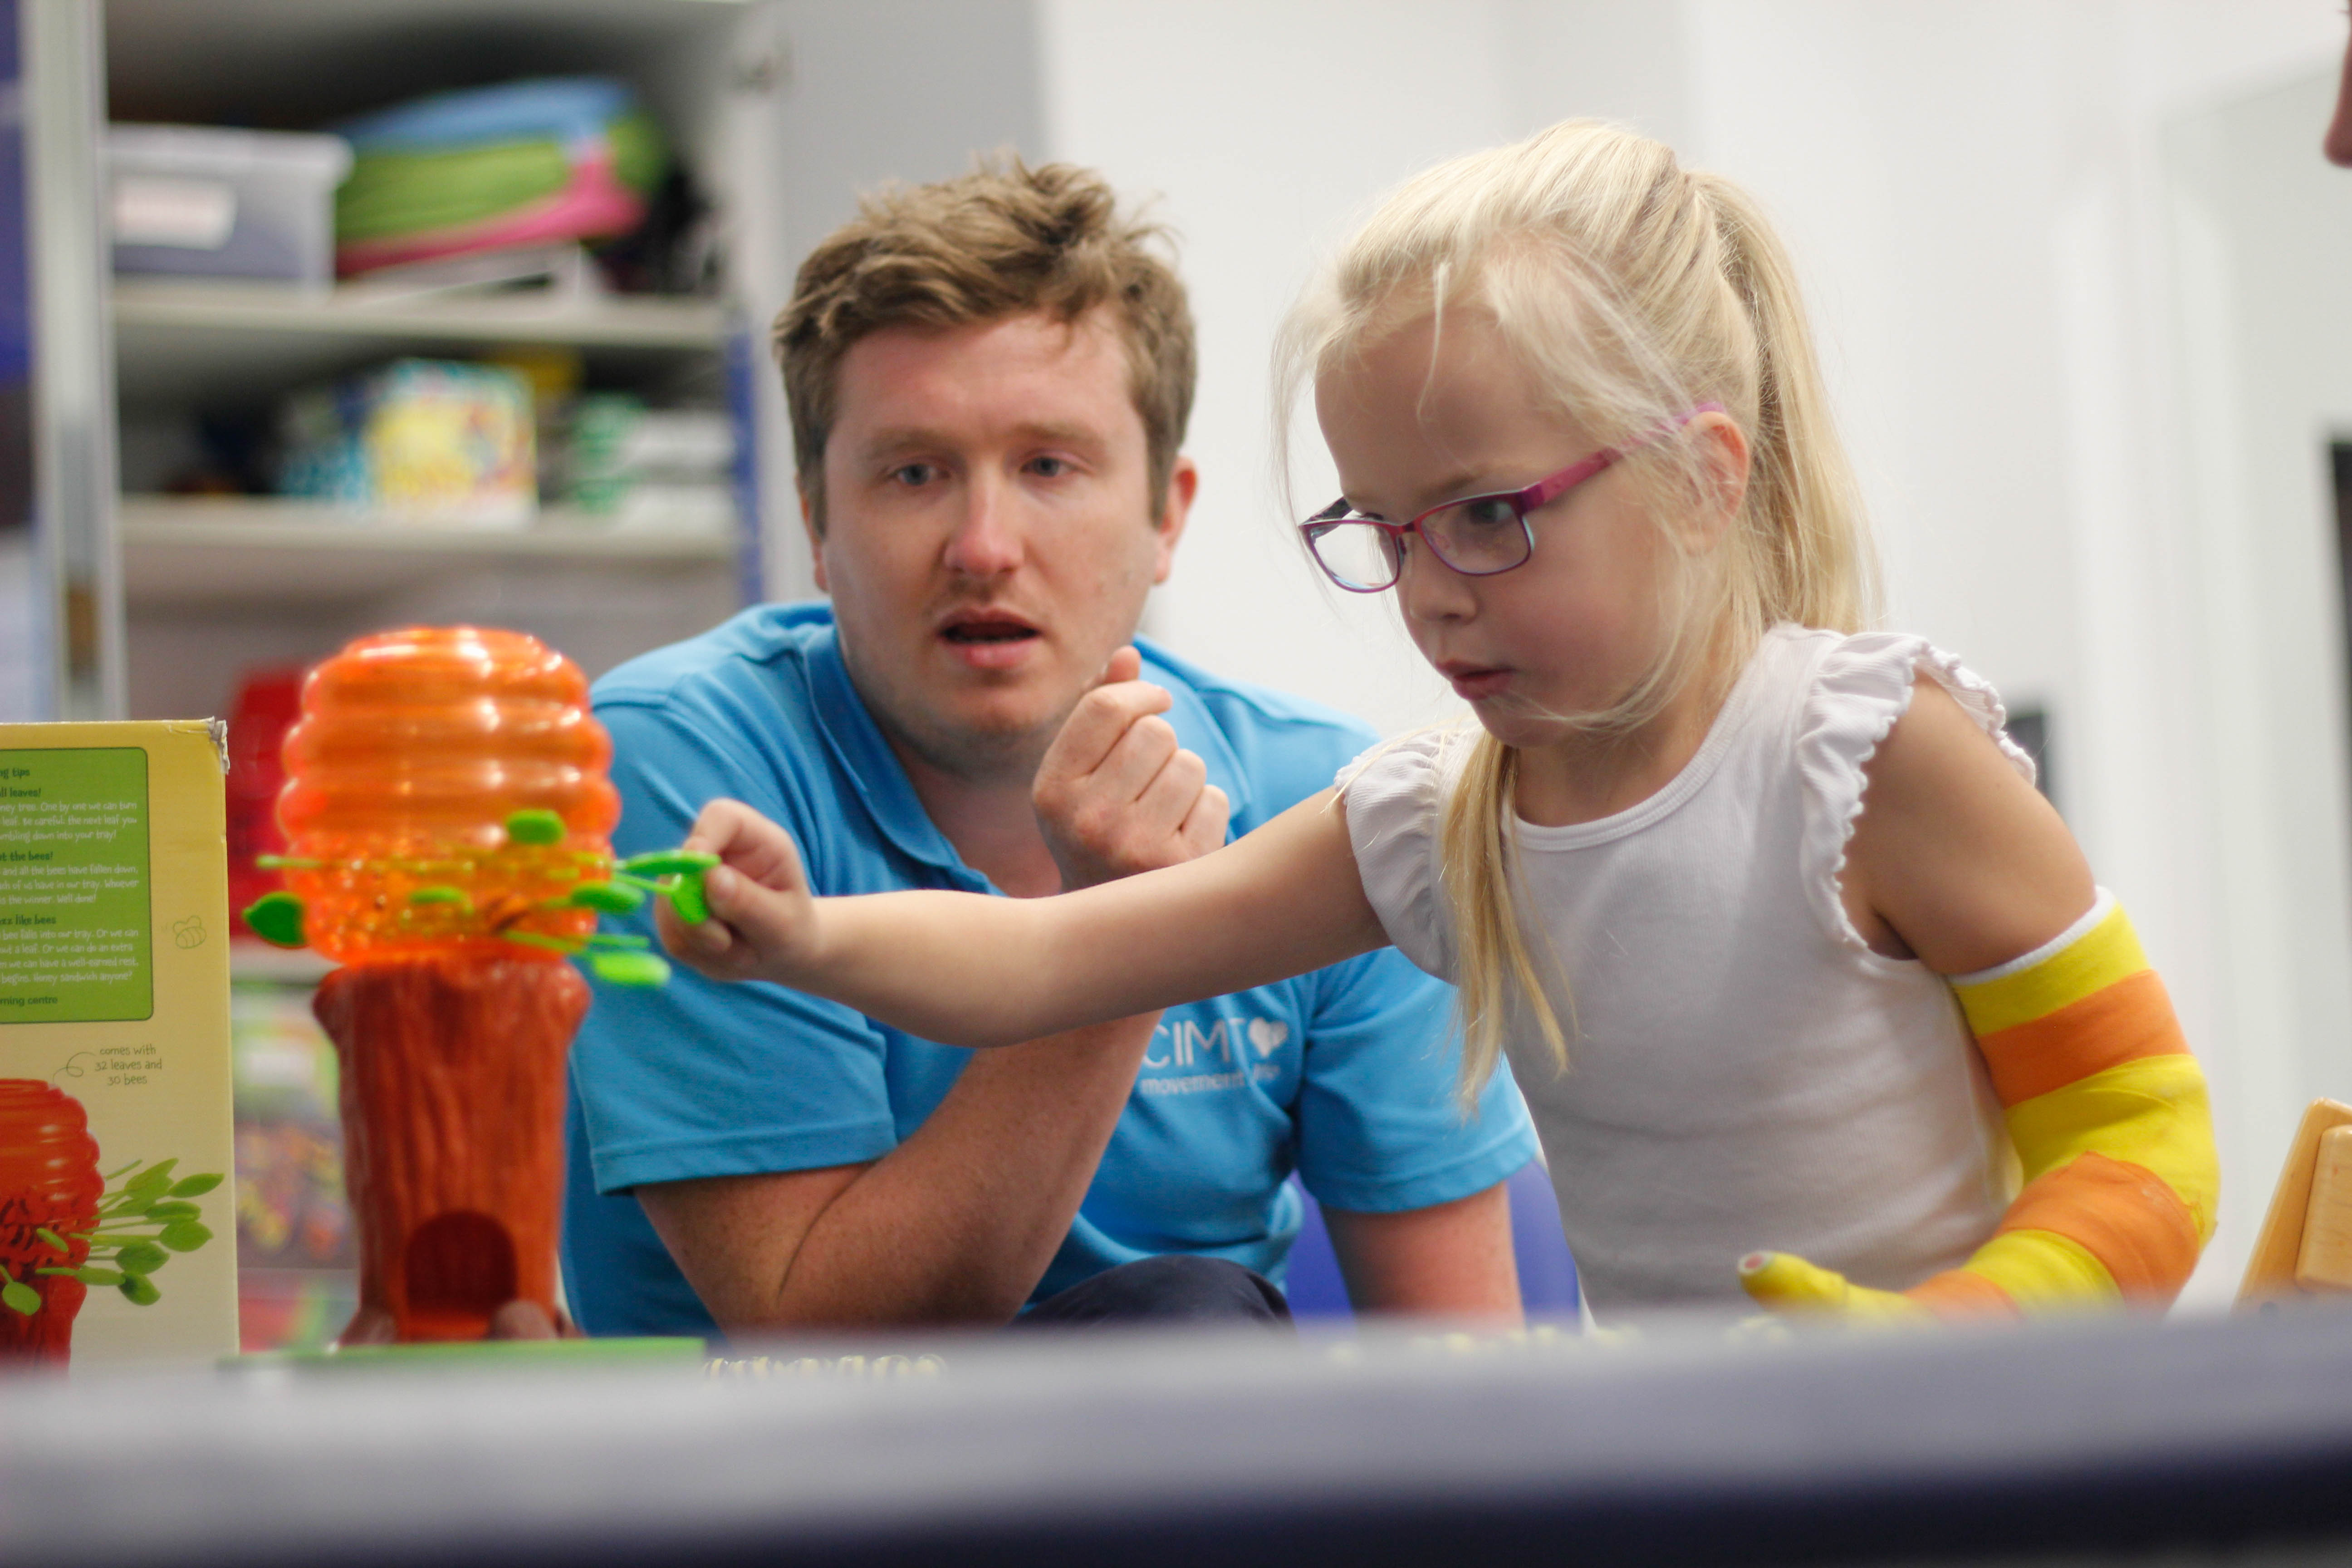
(246, 551)
(211, 587)
(178, 343)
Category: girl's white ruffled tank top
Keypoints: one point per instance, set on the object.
(1744, 1071)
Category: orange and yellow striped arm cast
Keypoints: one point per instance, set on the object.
(2107, 1111)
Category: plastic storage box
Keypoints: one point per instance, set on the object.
(190, 200)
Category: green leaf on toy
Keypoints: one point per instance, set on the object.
(171, 1209)
(607, 898)
(687, 898)
(641, 969)
(455, 896)
(52, 1237)
(141, 1290)
(20, 1296)
(668, 862)
(185, 1234)
(535, 828)
(535, 938)
(196, 1185)
(276, 919)
(101, 1277)
(617, 939)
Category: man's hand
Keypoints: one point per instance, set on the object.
(763, 923)
(1116, 794)
(518, 1319)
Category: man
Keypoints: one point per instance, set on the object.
(988, 380)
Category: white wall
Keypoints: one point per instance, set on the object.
(1978, 199)
(2071, 486)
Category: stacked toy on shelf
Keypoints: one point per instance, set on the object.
(528, 162)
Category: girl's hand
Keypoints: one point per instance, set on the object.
(763, 923)
(1786, 1284)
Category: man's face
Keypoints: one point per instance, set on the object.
(989, 538)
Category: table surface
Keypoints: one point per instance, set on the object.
(2109, 1440)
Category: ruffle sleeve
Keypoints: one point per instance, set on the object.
(1860, 686)
(1392, 795)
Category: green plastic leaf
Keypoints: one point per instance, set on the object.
(141, 1257)
(641, 969)
(534, 939)
(52, 1237)
(607, 898)
(185, 1234)
(141, 1290)
(20, 1296)
(196, 1185)
(455, 896)
(100, 1276)
(617, 939)
(286, 863)
(535, 828)
(687, 898)
(669, 862)
(169, 1211)
(276, 919)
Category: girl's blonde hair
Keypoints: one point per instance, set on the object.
(1632, 291)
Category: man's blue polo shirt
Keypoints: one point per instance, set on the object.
(1346, 1075)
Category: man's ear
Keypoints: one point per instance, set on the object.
(1176, 509)
(815, 536)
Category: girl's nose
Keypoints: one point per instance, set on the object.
(987, 541)
(1429, 589)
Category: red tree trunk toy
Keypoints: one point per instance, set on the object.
(445, 812)
(48, 1181)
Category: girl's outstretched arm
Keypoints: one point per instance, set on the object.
(1955, 860)
(968, 970)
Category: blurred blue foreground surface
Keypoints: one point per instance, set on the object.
(2084, 1442)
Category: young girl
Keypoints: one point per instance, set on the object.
(1715, 863)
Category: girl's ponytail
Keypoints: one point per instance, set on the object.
(1804, 521)
(1495, 971)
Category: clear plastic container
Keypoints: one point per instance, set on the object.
(200, 201)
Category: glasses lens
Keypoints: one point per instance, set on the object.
(1479, 536)
(1357, 554)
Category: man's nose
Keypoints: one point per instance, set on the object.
(987, 541)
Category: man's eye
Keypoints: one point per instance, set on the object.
(1049, 467)
(914, 476)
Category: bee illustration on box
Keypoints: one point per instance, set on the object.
(66, 1227)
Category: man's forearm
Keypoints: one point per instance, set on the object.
(958, 1223)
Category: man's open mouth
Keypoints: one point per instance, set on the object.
(987, 629)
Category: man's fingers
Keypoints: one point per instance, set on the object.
(1100, 721)
(1125, 665)
(1168, 799)
(370, 1326)
(1204, 827)
(1134, 765)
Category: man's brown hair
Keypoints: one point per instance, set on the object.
(1002, 240)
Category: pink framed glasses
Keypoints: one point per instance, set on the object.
(1479, 536)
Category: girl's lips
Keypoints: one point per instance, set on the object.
(1472, 684)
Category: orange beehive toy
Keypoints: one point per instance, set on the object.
(445, 812)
